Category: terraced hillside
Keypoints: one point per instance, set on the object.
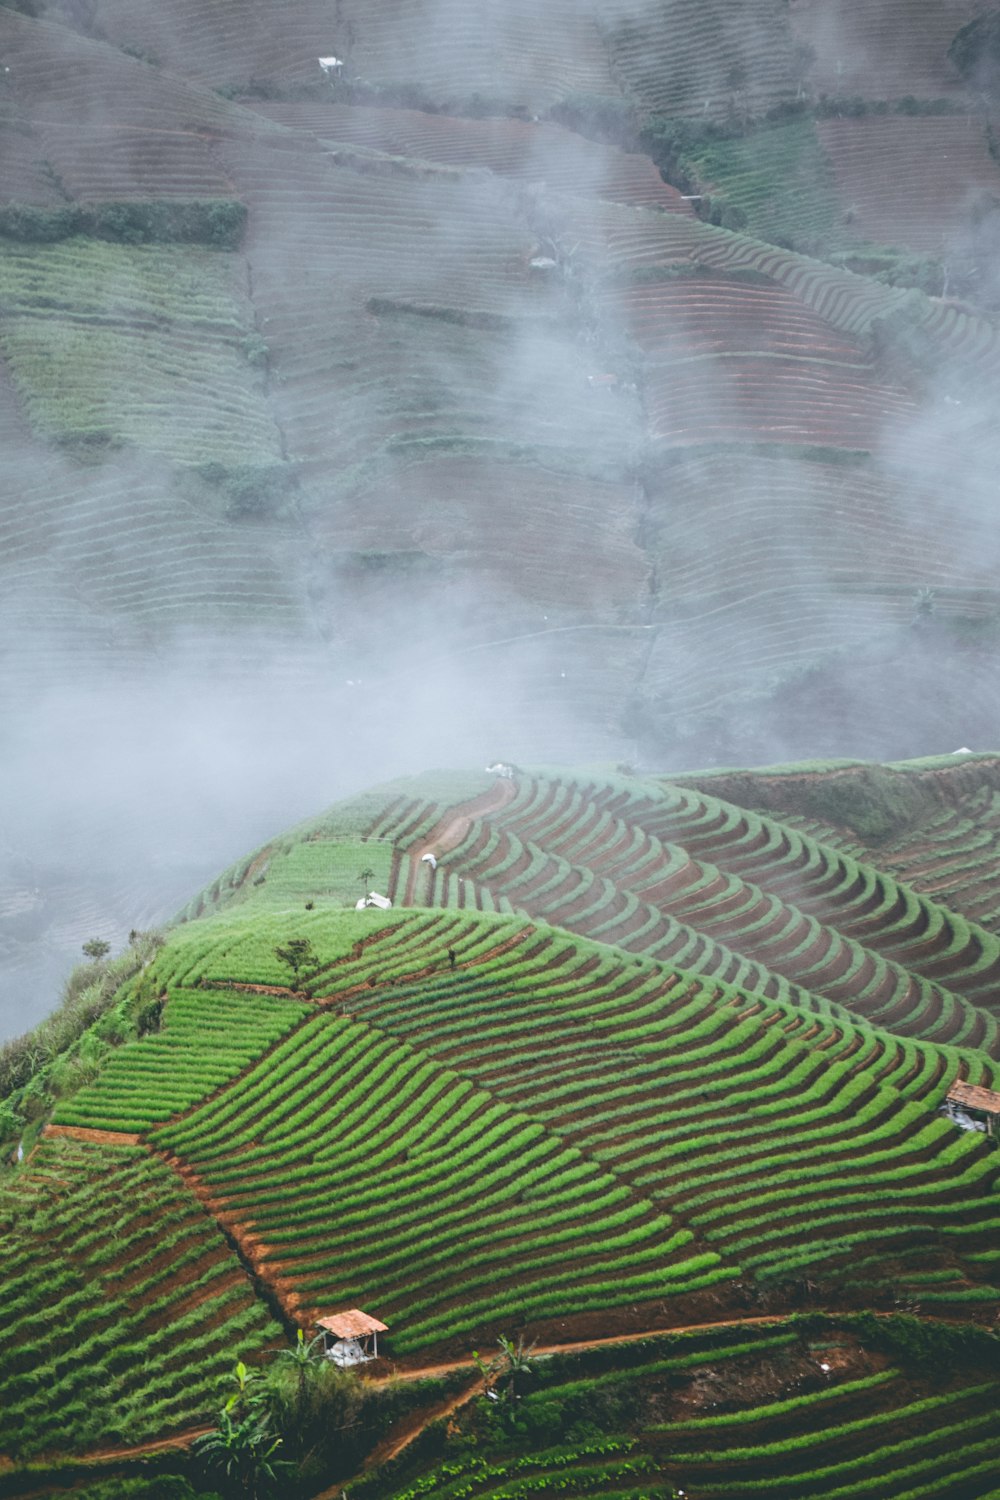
(451, 366)
(649, 1074)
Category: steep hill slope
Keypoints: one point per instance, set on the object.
(625, 1056)
(477, 363)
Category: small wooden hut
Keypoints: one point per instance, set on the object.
(972, 1099)
(351, 1337)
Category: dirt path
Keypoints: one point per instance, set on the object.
(413, 1425)
(453, 827)
(143, 1450)
(409, 1431)
(98, 1137)
(426, 1372)
(99, 1460)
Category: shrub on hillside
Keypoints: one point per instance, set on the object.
(871, 801)
(250, 491)
(216, 222)
(602, 117)
(931, 1346)
(975, 52)
(55, 1058)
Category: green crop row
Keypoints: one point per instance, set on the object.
(813, 1402)
(560, 1470)
(940, 1434)
(806, 861)
(579, 1296)
(867, 1150)
(624, 1252)
(979, 1172)
(786, 1188)
(478, 1469)
(118, 1330)
(512, 1040)
(565, 1186)
(395, 1152)
(707, 1352)
(205, 1040)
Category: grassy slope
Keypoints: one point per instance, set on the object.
(779, 177)
(141, 345)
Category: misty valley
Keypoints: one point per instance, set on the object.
(597, 400)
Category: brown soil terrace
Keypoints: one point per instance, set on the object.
(98, 1137)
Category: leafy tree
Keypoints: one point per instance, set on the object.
(306, 1358)
(314, 1405)
(239, 1453)
(296, 953)
(96, 948)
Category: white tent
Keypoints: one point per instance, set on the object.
(373, 899)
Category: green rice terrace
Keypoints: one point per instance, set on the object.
(649, 1125)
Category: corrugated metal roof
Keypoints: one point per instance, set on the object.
(974, 1097)
(351, 1324)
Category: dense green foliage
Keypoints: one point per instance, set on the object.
(66, 1050)
(218, 223)
(776, 183)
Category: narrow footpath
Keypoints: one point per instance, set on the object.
(453, 827)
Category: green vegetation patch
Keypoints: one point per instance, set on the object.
(216, 222)
(335, 872)
(778, 179)
(876, 802)
(767, 1401)
(122, 1305)
(323, 859)
(147, 346)
(203, 1042)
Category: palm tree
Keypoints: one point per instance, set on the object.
(307, 1359)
